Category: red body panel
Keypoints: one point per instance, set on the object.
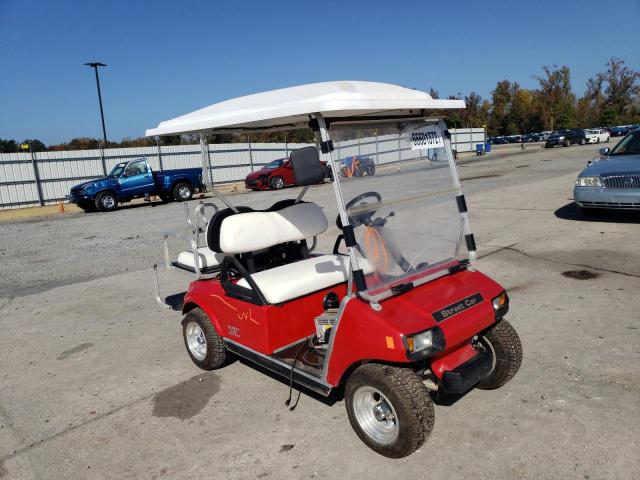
(363, 333)
(261, 328)
(254, 179)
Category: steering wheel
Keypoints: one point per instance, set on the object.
(360, 218)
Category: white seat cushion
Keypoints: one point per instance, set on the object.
(301, 278)
(206, 257)
(251, 231)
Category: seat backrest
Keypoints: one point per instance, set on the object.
(251, 231)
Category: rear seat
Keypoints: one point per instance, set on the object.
(207, 259)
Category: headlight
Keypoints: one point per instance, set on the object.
(424, 344)
(588, 182)
(501, 305)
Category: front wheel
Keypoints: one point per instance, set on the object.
(503, 342)
(389, 408)
(106, 202)
(276, 183)
(182, 192)
(582, 141)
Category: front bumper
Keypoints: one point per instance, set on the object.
(468, 374)
(253, 183)
(601, 197)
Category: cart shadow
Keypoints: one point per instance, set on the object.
(571, 211)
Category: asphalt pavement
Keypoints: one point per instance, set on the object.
(95, 382)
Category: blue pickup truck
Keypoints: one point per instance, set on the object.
(135, 179)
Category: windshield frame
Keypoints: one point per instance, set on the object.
(416, 277)
(121, 166)
(278, 165)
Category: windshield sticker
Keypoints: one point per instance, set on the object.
(455, 308)
(429, 136)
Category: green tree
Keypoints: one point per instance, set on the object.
(555, 99)
(621, 91)
(36, 145)
(8, 146)
(500, 100)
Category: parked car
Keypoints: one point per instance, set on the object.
(620, 131)
(357, 166)
(274, 175)
(500, 140)
(514, 138)
(612, 182)
(597, 135)
(136, 179)
(557, 139)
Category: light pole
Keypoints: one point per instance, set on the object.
(95, 66)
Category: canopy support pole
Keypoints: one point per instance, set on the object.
(204, 157)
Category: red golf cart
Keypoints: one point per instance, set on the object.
(395, 310)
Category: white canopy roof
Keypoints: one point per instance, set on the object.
(290, 107)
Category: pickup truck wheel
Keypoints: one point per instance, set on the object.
(389, 408)
(504, 343)
(182, 192)
(204, 345)
(106, 202)
(87, 206)
(276, 183)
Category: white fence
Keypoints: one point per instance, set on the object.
(28, 179)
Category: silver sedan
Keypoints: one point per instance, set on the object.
(612, 182)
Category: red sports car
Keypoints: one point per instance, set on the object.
(274, 175)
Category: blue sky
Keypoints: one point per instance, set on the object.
(167, 58)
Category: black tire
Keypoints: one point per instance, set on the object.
(566, 143)
(582, 141)
(217, 355)
(276, 183)
(87, 206)
(409, 400)
(598, 140)
(106, 201)
(165, 197)
(503, 339)
(182, 192)
(371, 171)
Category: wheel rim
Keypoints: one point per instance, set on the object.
(108, 201)
(184, 192)
(278, 182)
(196, 341)
(375, 415)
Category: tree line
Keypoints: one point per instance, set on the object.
(611, 98)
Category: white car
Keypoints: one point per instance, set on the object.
(597, 135)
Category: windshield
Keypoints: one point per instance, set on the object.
(401, 203)
(117, 170)
(629, 145)
(275, 163)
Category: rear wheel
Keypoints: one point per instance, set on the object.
(389, 408)
(276, 183)
(371, 171)
(182, 192)
(204, 345)
(503, 342)
(106, 201)
(582, 141)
